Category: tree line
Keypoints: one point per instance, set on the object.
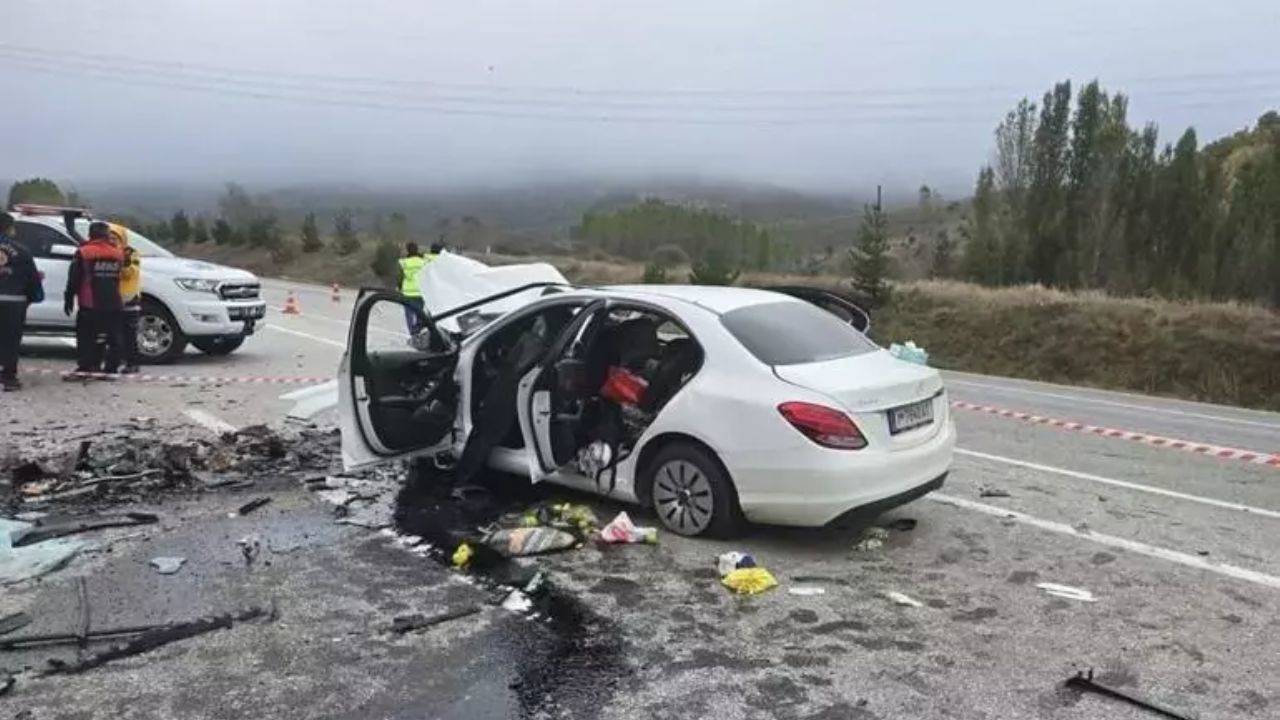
(667, 234)
(1077, 198)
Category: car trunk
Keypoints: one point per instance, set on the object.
(870, 382)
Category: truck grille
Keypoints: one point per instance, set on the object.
(238, 291)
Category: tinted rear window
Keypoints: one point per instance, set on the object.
(791, 333)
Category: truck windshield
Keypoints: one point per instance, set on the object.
(144, 246)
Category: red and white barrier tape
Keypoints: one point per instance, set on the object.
(187, 379)
(1220, 452)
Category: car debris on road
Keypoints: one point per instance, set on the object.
(1084, 682)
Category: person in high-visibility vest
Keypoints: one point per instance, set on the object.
(410, 269)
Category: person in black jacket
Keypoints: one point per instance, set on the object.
(19, 287)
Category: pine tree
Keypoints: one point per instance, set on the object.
(180, 228)
(982, 247)
(199, 231)
(222, 232)
(940, 263)
(870, 256)
(345, 240)
(310, 234)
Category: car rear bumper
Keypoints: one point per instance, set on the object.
(816, 487)
(220, 318)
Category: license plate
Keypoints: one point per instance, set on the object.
(910, 416)
(248, 326)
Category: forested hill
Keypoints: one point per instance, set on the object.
(1076, 197)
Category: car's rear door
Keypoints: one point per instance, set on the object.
(548, 423)
(52, 251)
(397, 396)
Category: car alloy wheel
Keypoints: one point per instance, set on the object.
(683, 497)
(155, 336)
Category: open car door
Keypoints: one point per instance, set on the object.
(549, 399)
(396, 394)
(838, 305)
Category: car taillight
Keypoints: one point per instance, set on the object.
(826, 426)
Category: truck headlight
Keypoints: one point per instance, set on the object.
(197, 284)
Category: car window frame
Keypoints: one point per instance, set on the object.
(45, 254)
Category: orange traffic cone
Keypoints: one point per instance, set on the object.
(291, 305)
(337, 293)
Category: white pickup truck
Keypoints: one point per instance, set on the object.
(183, 301)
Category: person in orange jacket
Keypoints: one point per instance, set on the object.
(94, 283)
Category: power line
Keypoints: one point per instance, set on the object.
(1268, 76)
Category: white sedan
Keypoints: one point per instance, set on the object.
(710, 405)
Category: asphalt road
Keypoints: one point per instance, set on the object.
(1176, 548)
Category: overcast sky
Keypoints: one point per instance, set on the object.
(813, 95)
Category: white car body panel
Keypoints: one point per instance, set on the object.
(198, 314)
(452, 281)
(730, 406)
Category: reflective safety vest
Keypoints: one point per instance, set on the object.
(410, 268)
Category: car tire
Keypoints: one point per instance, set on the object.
(218, 346)
(160, 339)
(691, 493)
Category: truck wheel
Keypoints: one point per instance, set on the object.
(691, 492)
(160, 340)
(218, 346)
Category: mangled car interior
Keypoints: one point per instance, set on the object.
(597, 373)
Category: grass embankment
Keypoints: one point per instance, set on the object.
(1215, 352)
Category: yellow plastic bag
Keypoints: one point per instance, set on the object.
(462, 556)
(749, 581)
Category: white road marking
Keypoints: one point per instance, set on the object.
(209, 421)
(1181, 558)
(309, 402)
(1120, 483)
(69, 342)
(308, 336)
(1113, 403)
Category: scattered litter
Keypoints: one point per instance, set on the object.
(1085, 683)
(462, 556)
(410, 623)
(565, 516)
(519, 542)
(16, 621)
(622, 530)
(463, 493)
(252, 505)
(7, 684)
(153, 638)
(909, 352)
(33, 560)
(903, 524)
(749, 580)
(47, 528)
(898, 598)
(806, 590)
(871, 538)
(730, 561)
(250, 547)
(516, 601)
(168, 565)
(1068, 592)
(991, 492)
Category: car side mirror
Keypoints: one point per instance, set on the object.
(66, 251)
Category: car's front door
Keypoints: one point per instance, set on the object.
(52, 252)
(397, 395)
(546, 397)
